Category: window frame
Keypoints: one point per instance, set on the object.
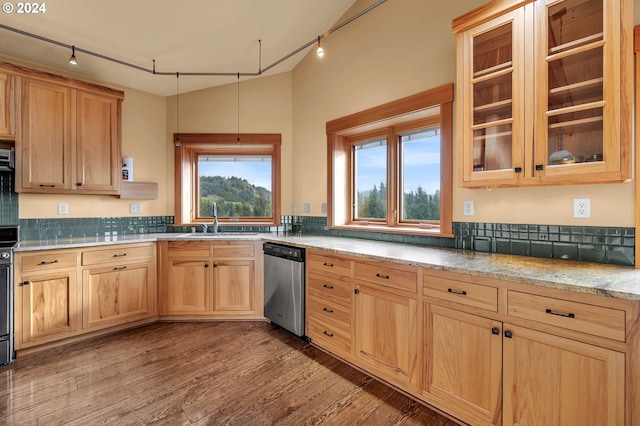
(187, 149)
(422, 110)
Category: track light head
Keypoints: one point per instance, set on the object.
(319, 50)
(72, 58)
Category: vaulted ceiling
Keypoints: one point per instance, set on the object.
(181, 36)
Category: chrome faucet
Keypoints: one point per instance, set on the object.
(214, 213)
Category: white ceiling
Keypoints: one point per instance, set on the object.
(181, 35)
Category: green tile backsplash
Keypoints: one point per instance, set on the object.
(8, 200)
(611, 245)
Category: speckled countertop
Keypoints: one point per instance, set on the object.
(608, 280)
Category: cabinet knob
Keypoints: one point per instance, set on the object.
(79, 184)
(539, 167)
(518, 170)
(215, 265)
(25, 283)
(496, 331)
(206, 265)
(508, 334)
(357, 291)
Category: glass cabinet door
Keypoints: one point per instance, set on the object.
(574, 105)
(493, 140)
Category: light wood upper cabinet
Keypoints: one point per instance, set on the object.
(544, 93)
(98, 159)
(556, 381)
(44, 148)
(68, 135)
(7, 106)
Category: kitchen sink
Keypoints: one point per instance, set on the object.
(219, 236)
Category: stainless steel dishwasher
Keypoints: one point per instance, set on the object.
(284, 286)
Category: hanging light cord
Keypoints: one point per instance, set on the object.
(238, 140)
(219, 74)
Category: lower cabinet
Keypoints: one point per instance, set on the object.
(557, 381)
(214, 279)
(188, 287)
(69, 292)
(45, 306)
(463, 363)
(117, 294)
(386, 333)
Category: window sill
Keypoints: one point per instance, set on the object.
(423, 232)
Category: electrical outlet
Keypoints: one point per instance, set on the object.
(306, 208)
(294, 208)
(63, 208)
(468, 208)
(323, 208)
(582, 208)
(135, 208)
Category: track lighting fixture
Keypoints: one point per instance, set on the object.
(319, 50)
(72, 58)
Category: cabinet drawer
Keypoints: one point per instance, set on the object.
(478, 296)
(329, 287)
(327, 309)
(233, 250)
(329, 333)
(322, 264)
(188, 249)
(119, 254)
(49, 260)
(401, 279)
(582, 317)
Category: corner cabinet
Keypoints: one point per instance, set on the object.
(544, 93)
(67, 134)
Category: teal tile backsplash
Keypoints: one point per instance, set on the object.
(613, 245)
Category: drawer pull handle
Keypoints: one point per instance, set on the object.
(47, 186)
(327, 310)
(496, 331)
(330, 287)
(330, 265)
(461, 293)
(328, 334)
(119, 268)
(560, 314)
(44, 262)
(386, 277)
(120, 255)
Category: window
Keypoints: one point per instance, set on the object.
(242, 179)
(391, 166)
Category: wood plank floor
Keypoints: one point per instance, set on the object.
(231, 373)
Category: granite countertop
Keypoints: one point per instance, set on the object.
(607, 280)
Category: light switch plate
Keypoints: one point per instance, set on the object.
(63, 208)
(306, 208)
(135, 208)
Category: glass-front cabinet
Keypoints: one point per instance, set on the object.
(542, 93)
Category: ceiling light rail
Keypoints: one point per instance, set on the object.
(211, 74)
